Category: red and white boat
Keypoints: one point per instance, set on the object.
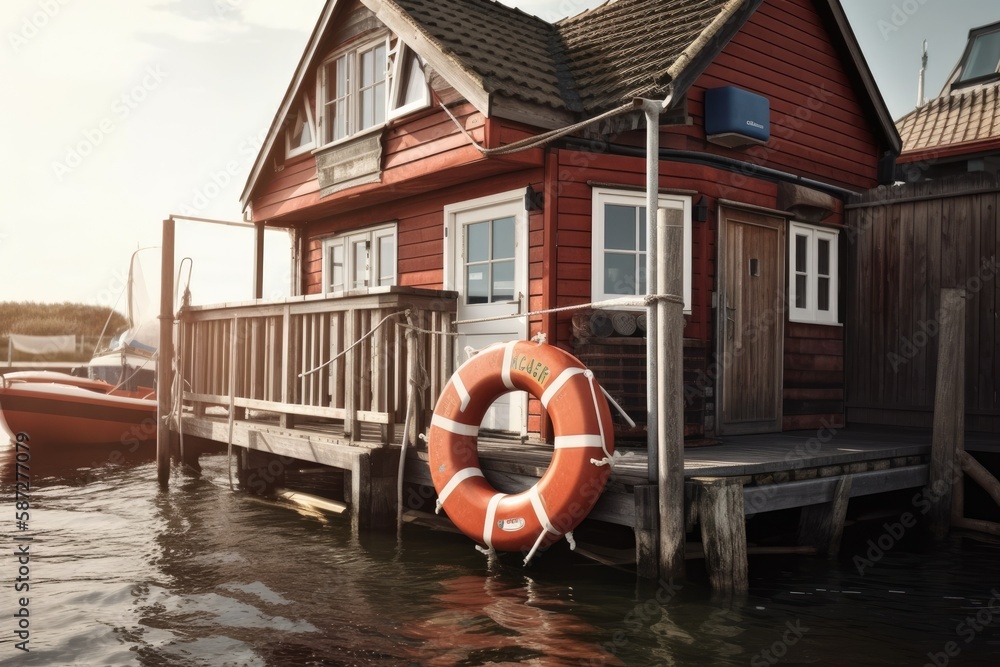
(58, 409)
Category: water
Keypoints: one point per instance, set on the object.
(122, 574)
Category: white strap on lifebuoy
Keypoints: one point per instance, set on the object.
(491, 515)
(508, 356)
(454, 427)
(463, 393)
(456, 479)
(539, 507)
(557, 384)
(578, 441)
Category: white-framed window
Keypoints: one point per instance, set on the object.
(300, 136)
(619, 263)
(812, 273)
(363, 87)
(360, 259)
(353, 91)
(408, 91)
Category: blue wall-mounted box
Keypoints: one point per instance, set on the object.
(735, 117)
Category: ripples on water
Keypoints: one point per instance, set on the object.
(122, 574)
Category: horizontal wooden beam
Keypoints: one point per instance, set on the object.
(771, 497)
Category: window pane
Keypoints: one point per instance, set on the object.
(823, 257)
(300, 134)
(367, 68)
(379, 104)
(619, 227)
(360, 259)
(503, 281)
(338, 72)
(503, 238)
(415, 86)
(642, 274)
(823, 294)
(367, 108)
(337, 268)
(800, 292)
(340, 123)
(642, 228)
(477, 284)
(984, 56)
(801, 253)
(477, 242)
(619, 273)
(386, 261)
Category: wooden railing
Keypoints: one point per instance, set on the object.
(297, 357)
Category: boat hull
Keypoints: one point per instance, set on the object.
(58, 414)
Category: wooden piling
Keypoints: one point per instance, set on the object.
(945, 479)
(723, 532)
(165, 355)
(670, 392)
(821, 526)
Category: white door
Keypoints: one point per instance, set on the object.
(487, 247)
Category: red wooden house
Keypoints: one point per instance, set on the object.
(386, 160)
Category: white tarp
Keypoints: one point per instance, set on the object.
(43, 344)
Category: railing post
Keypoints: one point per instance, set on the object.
(165, 355)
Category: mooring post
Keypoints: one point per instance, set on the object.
(670, 390)
(723, 532)
(165, 355)
(945, 473)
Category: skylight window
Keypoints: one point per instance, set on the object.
(983, 59)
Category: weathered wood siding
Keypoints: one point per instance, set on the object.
(906, 243)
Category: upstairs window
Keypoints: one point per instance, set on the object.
(300, 135)
(983, 56)
(354, 91)
(409, 89)
(360, 259)
(362, 88)
(812, 274)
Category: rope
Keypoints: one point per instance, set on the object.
(356, 343)
(541, 139)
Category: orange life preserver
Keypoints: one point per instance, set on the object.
(584, 446)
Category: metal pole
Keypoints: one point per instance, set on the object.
(652, 110)
(165, 355)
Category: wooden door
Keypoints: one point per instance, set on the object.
(487, 241)
(751, 320)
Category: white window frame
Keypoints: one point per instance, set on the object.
(811, 313)
(603, 196)
(301, 150)
(373, 261)
(398, 58)
(353, 96)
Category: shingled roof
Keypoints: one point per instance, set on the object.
(513, 53)
(587, 63)
(628, 48)
(964, 117)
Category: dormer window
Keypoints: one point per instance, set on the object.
(360, 89)
(982, 58)
(354, 91)
(301, 134)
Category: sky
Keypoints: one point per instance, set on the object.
(118, 113)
